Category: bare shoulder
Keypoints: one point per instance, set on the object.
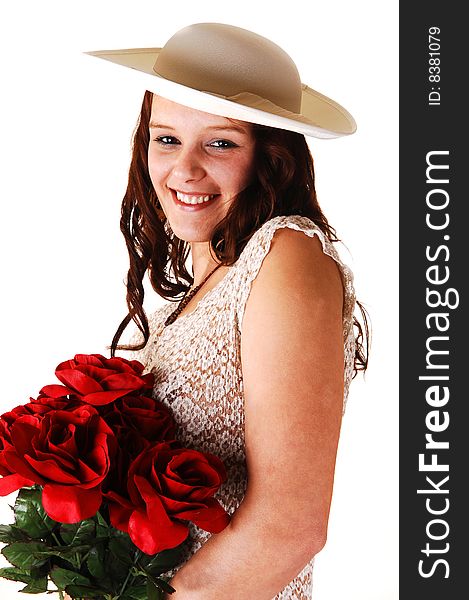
(296, 267)
(295, 302)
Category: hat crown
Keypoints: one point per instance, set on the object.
(225, 60)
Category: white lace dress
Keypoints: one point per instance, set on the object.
(197, 367)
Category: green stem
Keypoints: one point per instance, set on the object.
(124, 584)
(138, 554)
(56, 539)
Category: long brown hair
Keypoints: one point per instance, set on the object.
(284, 185)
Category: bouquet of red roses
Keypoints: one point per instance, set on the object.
(105, 491)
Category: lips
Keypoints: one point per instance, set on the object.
(194, 200)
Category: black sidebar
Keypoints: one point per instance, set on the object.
(434, 332)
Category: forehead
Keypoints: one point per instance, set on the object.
(173, 114)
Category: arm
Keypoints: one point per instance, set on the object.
(292, 361)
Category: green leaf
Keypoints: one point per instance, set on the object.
(122, 549)
(165, 586)
(78, 533)
(138, 592)
(161, 584)
(102, 528)
(100, 519)
(37, 586)
(95, 562)
(30, 515)
(71, 556)
(116, 571)
(153, 593)
(11, 533)
(24, 554)
(40, 568)
(63, 577)
(15, 574)
(161, 562)
(65, 552)
(83, 591)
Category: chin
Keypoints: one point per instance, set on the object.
(191, 236)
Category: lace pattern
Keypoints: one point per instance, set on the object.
(197, 367)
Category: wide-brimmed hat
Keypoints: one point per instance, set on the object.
(234, 73)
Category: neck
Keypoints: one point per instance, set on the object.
(202, 261)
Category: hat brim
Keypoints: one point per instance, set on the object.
(320, 116)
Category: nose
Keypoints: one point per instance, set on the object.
(188, 165)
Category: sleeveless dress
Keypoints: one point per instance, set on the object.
(197, 366)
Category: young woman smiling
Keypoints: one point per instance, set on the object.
(257, 356)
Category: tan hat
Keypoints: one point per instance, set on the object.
(235, 73)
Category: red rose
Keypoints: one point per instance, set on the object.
(98, 380)
(10, 481)
(138, 421)
(44, 403)
(166, 485)
(39, 406)
(68, 452)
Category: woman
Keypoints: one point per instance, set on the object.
(256, 358)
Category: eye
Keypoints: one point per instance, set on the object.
(222, 144)
(167, 140)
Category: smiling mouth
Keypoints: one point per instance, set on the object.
(192, 199)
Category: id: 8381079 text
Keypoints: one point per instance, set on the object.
(434, 66)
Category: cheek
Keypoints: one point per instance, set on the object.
(243, 172)
(156, 171)
(234, 174)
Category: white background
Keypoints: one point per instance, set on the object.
(66, 125)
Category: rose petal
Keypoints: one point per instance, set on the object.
(49, 470)
(17, 465)
(97, 373)
(177, 489)
(78, 381)
(123, 381)
(119, 516)
(102, 398)
(23, 431)
(201, 464)
(125, 366)
(11, 483)
(55, 391)
(70, 504)
(97, 360)
(153, 531)
(66, 463)
(212, 518)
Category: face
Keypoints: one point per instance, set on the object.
(198, 163)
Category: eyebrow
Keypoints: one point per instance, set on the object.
(233, 127)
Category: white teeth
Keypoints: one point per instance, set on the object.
(187, 199)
